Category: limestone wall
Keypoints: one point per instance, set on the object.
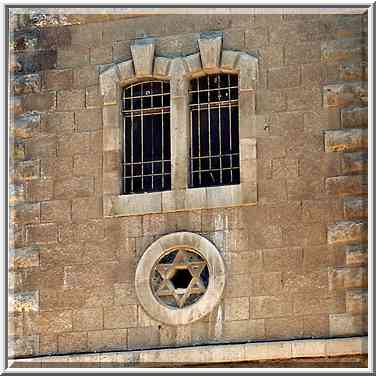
(295, 261)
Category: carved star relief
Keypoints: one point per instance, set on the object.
(182, 261)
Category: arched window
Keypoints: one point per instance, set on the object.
(214, 130)
(146, 137)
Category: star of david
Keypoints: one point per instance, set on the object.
(181, 262)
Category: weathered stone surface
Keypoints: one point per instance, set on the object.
(26, 84)
(229, 59)
(193, 63)
(347, 324)
(25, 125)
(247, 66)
(24, 302)
(74, 187)
(23, 346)
(25, 213)
(55, 211)
(343, 49)
(347, 231)
(120, 317)
(105, 340)
(68, 100)
(356, 117)
(357, 301)
(45, 101)
(353, 163)
(20, 258)
(58, 79)
(345, 140)
(161, 67)
(143, 56)
(108, 84)
(355, 207)
(346, 185)
(126, 71)
(356, 254)
(345, 94)
(347, 278)
(210, 51)
(280, 78)
(88, 120)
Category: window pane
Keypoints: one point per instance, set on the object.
(146, 137)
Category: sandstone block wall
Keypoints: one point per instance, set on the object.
(296, 261)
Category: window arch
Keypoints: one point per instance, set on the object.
(146, 157)
(214, 130)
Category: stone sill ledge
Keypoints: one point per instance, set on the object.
(281, 350)
(180, 200)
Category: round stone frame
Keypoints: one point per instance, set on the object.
(199, 309)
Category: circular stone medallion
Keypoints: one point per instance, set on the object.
(180, 278)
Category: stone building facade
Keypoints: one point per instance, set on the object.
(286, 249)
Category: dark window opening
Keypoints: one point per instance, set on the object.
(146, 137)
(181, 279)
(214, 131)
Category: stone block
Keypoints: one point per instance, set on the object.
(86, 34)
(348, 94)
(303, 99)
(108, 80)
(93, 97)
(237, 309)
(111, 139)
(110, 116)
(269, 307)
(305, 188)
(70, 144)
(347, 346)
(299, 53)
(347, 277)
(68, 100)
(356, 254)
(345, 324)
(238, 286)
(284, 168)
(23, 346)
(280, 78)
(120, 317)
(25, 84)
(354, 163)
(21, 258)
(86, 208)
(23, 302)
(347, 231)
(87, 165)
(319, 164)
(271, 147)
(121, 50)
(282, 259)
(346, 140)
(357, 301)
(143, 338)
(101, 55)
(179, 84)
(355, 117)
(317, 257)
(88, 120)
(124, 294)
(272, 191)
(312, 73)
(284, 327)
(45, 101)
(24, 126)
(49, 322)
(248, 66)
(193, 63)
(126, 71)
(59, 79)
(342, 49)
(56, 167)
(304, 234)
(270, 101)
(247, 102)
(74, 187)
(346, 185)
(41, 146)
(85, 76)
(25, 213)
(316, 325)
(162, 67)
(88, 319)
(15, 324)
(173, 200)
(229, 59)
(355, 207)
(318, 302)
(56, 211)
(107, 340)
(72, 342)
(41, 234)
(210, 51)
(143, 56)
(326, 210)
(58, 122)
(256, 38)
(309, 349)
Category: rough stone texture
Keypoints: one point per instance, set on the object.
(283, 280)
(143, 56)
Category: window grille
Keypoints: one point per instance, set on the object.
(214, 131)
(146, 137)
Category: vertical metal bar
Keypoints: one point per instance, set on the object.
(191, 135)
(209, 91)
(124, 156)
(152, 136)
(162, 125)
(132, 150)
(142, 138)
(220, 135)
(199, 129)
(230, 116)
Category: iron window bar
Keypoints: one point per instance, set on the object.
(146, 162)
(214, 130)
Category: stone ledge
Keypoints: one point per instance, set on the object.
(209, 354)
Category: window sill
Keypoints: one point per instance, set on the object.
(180, 200)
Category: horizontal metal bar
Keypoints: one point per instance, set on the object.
(144, 162)
(144, 175)
(216, 156)
(216, 169)
(145, 96)
(232, 103)
(214, 89)
(147, 111)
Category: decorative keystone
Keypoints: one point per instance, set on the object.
(347, 231)
(193, 63)
(161, 66)
(126, 71)
(108, 82)
(143, 55)
(229, 59)
(346, 139)
(210, 51)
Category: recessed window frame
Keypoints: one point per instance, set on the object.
(179, 71)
